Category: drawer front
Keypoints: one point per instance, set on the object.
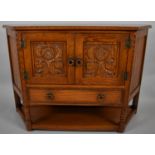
(74, 97)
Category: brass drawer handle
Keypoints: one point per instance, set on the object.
(50, 96)
(100, 97)
(71, 61)
(79, 62)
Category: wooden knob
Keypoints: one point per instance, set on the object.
(100, 97)
(78, 62)
(50, 95)
(71, 61)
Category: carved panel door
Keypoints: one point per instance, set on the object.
(46, 56)
(103, 58)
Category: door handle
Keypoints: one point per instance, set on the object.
(71, 61)
(79, 62)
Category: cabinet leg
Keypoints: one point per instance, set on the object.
(122, 124)
(28, 125)
(121, 129)
(17, 101)
(27, 118)
(135, 102)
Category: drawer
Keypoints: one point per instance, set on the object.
(74, 97)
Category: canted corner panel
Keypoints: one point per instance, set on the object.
(14, 58)
(48, 58)
(101, 59)
(137, 63)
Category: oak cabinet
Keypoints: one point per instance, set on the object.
(76, 77)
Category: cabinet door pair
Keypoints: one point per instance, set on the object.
(67, 58)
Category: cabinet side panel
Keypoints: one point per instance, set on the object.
(138, 61)
(14, 60)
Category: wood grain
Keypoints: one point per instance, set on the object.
(46, 57)
(72, 77)
(75, 97)
(79, 28)
(108, 67)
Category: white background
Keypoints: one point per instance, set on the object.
(80, 10)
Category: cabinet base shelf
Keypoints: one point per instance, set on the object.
(68, 118)
(50, 124)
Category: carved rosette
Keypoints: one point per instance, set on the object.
(48, 58)
(100, 59)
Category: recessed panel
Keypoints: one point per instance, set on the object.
(101, 59)
(48, 58)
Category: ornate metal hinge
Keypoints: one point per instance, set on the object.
(128, 43)
(125, 75)
(22, 43)
(25, 75)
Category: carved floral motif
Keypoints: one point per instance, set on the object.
(48, 58)
(100, 59)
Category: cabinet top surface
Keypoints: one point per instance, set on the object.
(78, 28)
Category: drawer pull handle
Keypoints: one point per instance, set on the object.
(100, 97)
(50, 96)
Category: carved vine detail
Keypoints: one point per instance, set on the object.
(48, 58)
(100, 60)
